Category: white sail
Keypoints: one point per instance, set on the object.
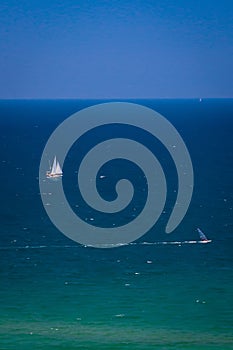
(58, 169)
(54, 167)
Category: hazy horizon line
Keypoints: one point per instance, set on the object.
(112, 98)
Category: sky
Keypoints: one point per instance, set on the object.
(116, 49)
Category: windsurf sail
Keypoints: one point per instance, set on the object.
(202, 235)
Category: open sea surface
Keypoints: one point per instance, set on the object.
(56, 294)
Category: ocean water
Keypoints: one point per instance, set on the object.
(58, 294)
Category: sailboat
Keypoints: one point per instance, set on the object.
(55, 171)
(203, 238)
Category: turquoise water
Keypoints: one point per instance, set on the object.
(57, 294)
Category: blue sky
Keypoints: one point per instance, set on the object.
(116, 49)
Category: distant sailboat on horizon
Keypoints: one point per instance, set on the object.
(55, 171)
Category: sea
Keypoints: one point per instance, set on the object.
(161, 291)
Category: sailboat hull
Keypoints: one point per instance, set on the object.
(53, 176)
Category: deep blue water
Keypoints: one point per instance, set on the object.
(57, 294)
